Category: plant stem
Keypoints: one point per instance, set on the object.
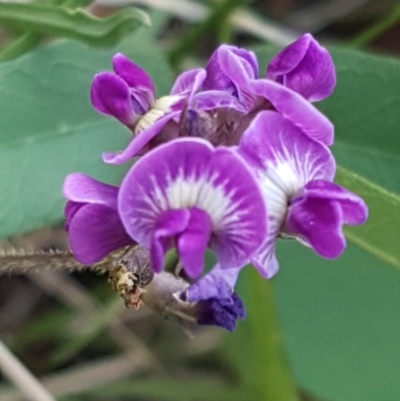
(218, 16)
(24, 43)
(376, 30)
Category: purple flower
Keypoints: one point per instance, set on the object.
(301, 73)
(92, 219)
(305, 67)
(222, 312)
(164, 295)
(218, 283)
(295, 173)
(217, 303)
(188, 195)
(129, 96)
(266, 94)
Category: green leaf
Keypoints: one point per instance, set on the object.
(381, 233)
(48, 128)
(340, 322)
(74, 24)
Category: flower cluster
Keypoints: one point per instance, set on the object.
(228, 162)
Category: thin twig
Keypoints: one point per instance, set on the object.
(21, 377)
(85, 377)
(18, 261)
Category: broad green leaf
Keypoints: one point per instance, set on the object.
(364, 108)
(340, 323)
(48, 128)
(74, 24)
(380, 235)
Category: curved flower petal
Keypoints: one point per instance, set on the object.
(240, 74)
(218, 283)
(217, 76)
(110, 95)
(139, 141)
(265, 260)
(318, 222)
(354, 209)
(317, 214)
(305, 67)
(189, 82)
(285, 154)
(296, 109)
(169, 223)
(133, 75)
(221, 312)
(189, 173)
(95, 231)
(81, 188)
(192, 243)
(213, 99)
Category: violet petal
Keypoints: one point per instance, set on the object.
(193, 241)
(305, 67)
(221, 312)
(95, 231)
(139, 141)
(218, 283)
(189, 82)
(169, 223)
(79, 187)
(110, 95)
(133, 75)
(296, 109)
(318, 222)
(354, 209)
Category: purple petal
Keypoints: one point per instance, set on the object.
(240, 73)
(265, 260)
(110, 95)
(354, 209)
(168, 224)
(81, 188)
(192, 243)
(218, 283)
(139, 141)
(217, 75)
(280, 149)
(305, 67)
(133, 75)
(318, 222)
(94, 232)
(189, 82)
(213, 99)
(69, 212)
(296, 109)
(221, 312)
(188, 173)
